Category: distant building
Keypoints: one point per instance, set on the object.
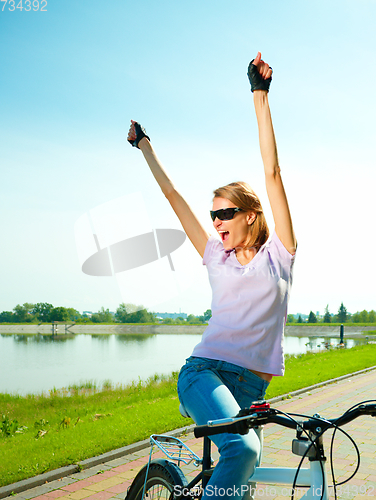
(171, 315)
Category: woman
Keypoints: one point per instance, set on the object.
(250, 276)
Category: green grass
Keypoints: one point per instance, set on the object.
(82, 421)
(84, 424)
(308, 369)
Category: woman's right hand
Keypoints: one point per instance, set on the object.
(259, 74)
(136, 133)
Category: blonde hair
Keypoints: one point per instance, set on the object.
(242, 195)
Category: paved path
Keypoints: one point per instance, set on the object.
(112, 479)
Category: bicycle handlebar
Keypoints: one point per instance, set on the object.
(261, 413)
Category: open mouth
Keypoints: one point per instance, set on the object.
(224, 235)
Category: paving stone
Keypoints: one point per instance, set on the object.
(102, 495)
(104, 476)
(55, 494)
(80, 494)
(120, 488)
(104, 485)
(78, 485)
(131, 474)
(41, 497)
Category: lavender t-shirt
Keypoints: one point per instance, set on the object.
(249, 306)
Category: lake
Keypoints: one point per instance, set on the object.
(31, 364)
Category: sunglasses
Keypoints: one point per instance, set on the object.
(224, 213)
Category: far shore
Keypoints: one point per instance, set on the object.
(290, 330)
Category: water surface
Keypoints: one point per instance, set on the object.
(38, 363)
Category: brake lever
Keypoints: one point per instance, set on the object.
(257, 413)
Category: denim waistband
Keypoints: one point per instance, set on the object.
(220, 365)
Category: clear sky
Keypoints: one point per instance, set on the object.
(73, 76)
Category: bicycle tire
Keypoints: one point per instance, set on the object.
(163, 477)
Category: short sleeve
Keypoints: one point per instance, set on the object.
(212, 246)
(282, 259)
(276, 246)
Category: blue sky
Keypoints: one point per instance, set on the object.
(74, 76)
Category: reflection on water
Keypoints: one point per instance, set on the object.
(299, 345)
(137, 338)
(38, 338)
(37, 363)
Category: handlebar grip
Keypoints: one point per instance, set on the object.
(204, 430)
(235, 428)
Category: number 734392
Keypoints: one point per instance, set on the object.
(24, 5)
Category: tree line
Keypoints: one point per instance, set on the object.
(342, 316)
(44, 312)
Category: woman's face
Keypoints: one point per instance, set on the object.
(234, 233)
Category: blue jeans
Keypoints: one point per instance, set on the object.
(210, 389)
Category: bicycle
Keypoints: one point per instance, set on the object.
(163, 478)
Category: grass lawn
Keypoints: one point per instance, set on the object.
(308, 369)
(44, 432)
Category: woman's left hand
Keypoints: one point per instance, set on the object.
(136, 133)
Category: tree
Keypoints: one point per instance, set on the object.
(300, 319)
(73, 314)
(290, 318)
(364, 317)
(312, 317)
(141, 316)
(207, 315)
(59, 314)
(6, 317)
(132, 308)
(42, 311)
(356, 317)
(342, 314)
(121, 314)
(372, 316)
(327, 317)
(84, 319)
(193, 320)
(23, 314)
(124, 311)
(102, 316)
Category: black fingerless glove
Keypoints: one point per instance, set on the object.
(256, 80)
(140, 133)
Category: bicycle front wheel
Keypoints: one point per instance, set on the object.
(165, 480)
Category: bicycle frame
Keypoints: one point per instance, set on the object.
(314, 478)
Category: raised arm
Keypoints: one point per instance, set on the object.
(191, 225)
(260, 81)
